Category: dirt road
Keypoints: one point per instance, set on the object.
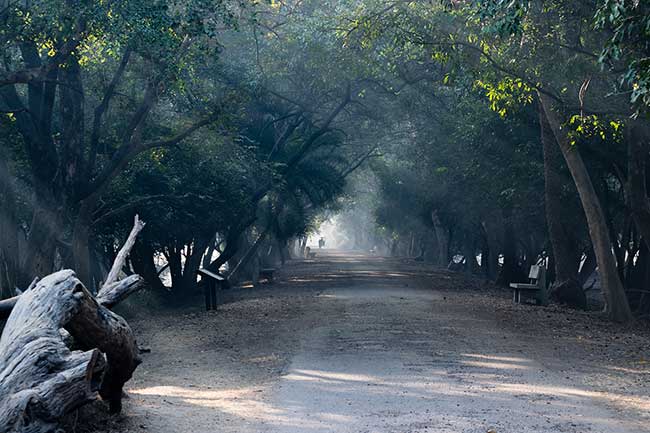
(350, 343)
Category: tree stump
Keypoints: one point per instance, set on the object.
(41, 377)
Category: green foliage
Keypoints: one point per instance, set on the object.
(507, 94)
(590, 127)
(629, 24)
(442, 109)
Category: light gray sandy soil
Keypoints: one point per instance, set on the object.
(352, 343)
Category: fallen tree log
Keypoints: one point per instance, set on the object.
(41, 378)
(62, 347)
(109, 296)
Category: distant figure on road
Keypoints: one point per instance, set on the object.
(321, 243)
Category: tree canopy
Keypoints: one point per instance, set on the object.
(513, 131)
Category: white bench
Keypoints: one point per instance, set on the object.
(535, 288)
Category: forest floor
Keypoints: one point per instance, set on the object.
(354, 343)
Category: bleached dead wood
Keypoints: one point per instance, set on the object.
(44, 373)
(114, 293)
(41, 378)
(95, 326)
(120, 259)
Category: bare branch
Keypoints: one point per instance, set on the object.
(181, 136)
(114, 293)
(121, 256)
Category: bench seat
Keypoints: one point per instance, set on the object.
(524, 286)
(536, 287)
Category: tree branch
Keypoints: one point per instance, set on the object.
(321, 131)
(103, 106)
(358, 163)
(138, 225)
(151, 198)
(181, 136)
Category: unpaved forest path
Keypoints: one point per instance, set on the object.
(351, 343)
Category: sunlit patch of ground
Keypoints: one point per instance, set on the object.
(352, 344)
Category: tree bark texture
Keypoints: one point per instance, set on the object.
(617, 306)
(9, 247)
(41, 377)
(636, 193)
(566, 287)
(442, 239)
(509, 270)
(492, 228)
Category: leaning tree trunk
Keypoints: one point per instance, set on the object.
(252, 250)
(142, 260)
(617, 306)
(232, 244)
(566, 287)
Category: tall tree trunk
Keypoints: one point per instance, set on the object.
(492, 241)
(41, 242)
(621, 248)
(411, 251)
(566, 287)
(442, 239)
(9, 247)
(284, 250)
(142, 259)
(394, 246)
(485, 253)
(175, 268)
(303, 245)
(192, 264)
(212, 246)
(469, 253)
(636, 193)
(509, 270)
(617, 306)
(248, 255)
(81, 245)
